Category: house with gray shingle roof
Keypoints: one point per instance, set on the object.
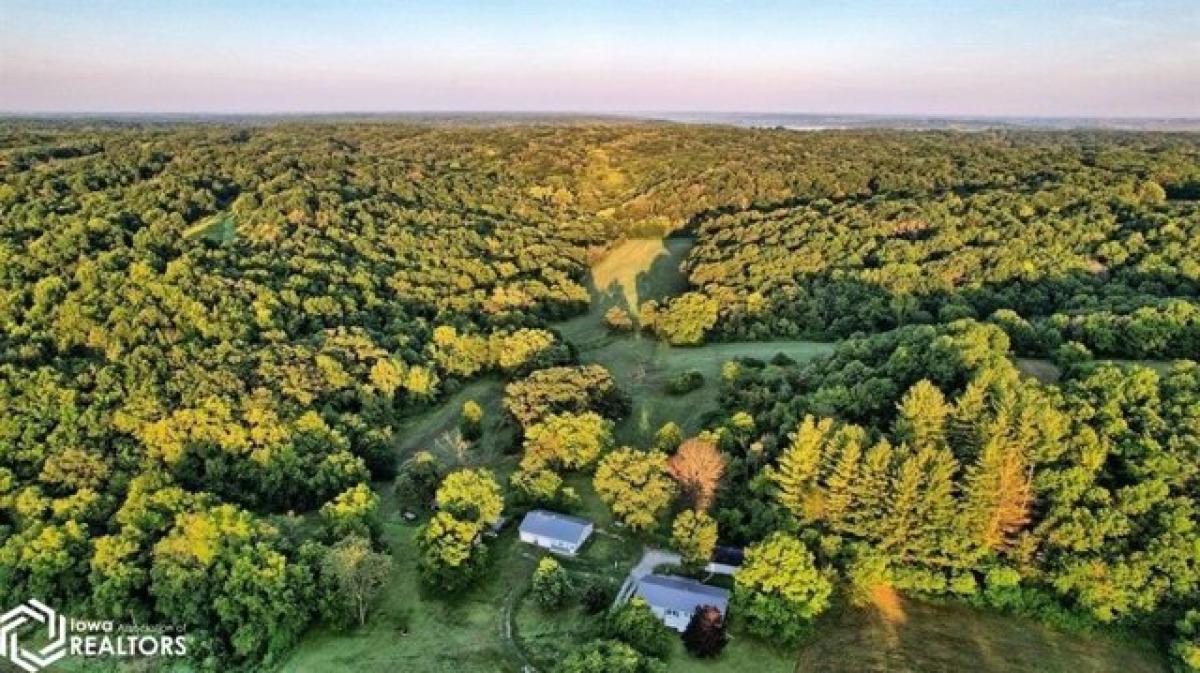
(559, 533)
(674, 599)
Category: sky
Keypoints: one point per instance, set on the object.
(1097, 58)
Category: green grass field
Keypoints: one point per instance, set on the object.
(642, 366)
(218, 229)
(636, 271)
(1047, 372)
(434, 429)
(925, 637)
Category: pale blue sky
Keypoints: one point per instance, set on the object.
(1021, 57)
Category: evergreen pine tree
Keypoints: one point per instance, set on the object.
(922, 415)
(840, 470)
(795, 476)
(869, 492)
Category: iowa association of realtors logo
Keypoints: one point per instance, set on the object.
(33, 636)
(12, 626)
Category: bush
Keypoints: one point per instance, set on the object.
(705, 636)
(783, 360)
(1186, 647)
(668, 438)
(618, 319)
(471, 422)
(750, 362)
(417, 481)
(634, 623)
(598, 595)
(685, 382)
(608, 656)
(551, 584)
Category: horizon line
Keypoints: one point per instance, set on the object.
(639, 114)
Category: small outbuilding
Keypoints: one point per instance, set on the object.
(559, 533)
(675, 599)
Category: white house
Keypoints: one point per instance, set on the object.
(559, 533)
(675, 599)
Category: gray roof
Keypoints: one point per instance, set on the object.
(680, 593)
(542, 523)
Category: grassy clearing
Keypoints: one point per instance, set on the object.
(218, 229)
(420, 432)
(636, 271)
(642, 366)
(1047, 372)
(633, 272)
(924, 637)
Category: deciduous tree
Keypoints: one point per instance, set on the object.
(635, 486)
(694, 536)
(779, 590)
(698, 466)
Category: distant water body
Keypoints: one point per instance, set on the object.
(813, 122)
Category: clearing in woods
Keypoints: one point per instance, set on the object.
(1046, 371)
(637, 271)
(492, 629)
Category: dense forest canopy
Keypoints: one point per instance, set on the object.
(919, 458)
(209, 332)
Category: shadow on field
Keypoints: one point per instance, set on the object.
(935, 638)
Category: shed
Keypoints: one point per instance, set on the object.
(560, 533)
